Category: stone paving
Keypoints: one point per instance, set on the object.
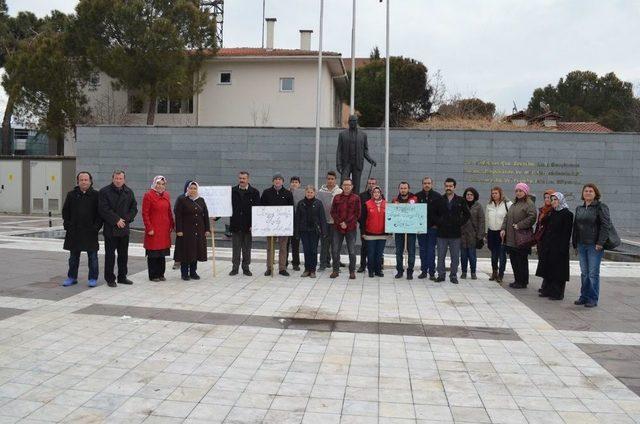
(291, 350)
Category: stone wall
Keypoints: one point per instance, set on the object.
(482, 159)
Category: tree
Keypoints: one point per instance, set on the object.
(152, 47)
(583, 96)
(410, 95)
(14, 31)
(52, 80)
(472, 108)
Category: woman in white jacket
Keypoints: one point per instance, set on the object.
(495, 214)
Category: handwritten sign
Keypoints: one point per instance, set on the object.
(218, 200)
(267, 221)
(406, 218)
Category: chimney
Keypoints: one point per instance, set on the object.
(271, 23)
(305, 39)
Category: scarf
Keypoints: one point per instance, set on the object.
(155, 181)
(562, 203)
(186, 192)
(544, 210)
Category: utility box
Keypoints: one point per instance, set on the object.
(35, 184)
(46, 177)
(11, 186)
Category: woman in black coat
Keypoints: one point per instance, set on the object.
(82, 223)
(192, 230)
(310, 226)
(553, 256)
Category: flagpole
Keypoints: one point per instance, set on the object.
(386, 114)
(318, 96)
(352, 107)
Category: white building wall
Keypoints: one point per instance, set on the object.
(254, 98)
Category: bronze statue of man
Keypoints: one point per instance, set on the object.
(353, 149)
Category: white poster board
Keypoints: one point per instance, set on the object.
(267, 221)
(218, 200)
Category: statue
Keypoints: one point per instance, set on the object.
(353, 149)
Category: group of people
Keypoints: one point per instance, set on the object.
(456, 224)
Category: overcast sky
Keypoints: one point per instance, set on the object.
(498, 50)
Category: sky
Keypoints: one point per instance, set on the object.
(497, 50)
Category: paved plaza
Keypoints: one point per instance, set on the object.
(299, 350)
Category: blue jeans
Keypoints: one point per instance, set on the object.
(468, 255)
(590, 259)
(498, 252)
(74, 263)
(310, 246)
(375, 252)
(411, 249)
(427, 243)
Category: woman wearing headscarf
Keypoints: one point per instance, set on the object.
(158, 224)
(521, 216)
(553, 253)
(192, 230)
(543, 213)
(176, 264)
(472, 233)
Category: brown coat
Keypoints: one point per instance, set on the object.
(522, 213)
(192, 219)
(473, 229)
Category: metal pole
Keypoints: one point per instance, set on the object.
(352, 104)
(386, 115)
(263, 16)
(318, 95)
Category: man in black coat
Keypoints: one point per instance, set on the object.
(118, 208)
(277, 195)
(365, 196)
(428, 241)
(243, 198)
(353, 149)
(450, 214)
(82, 223)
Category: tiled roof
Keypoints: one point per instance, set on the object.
(583, 127)
(257, 51)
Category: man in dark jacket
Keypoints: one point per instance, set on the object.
(427, 242)
(243, 198)
(345, 211)
(364, 197)
(277, 195)
(118, 208)
(450, 213)
(82, 224)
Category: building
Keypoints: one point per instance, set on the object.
(243, 87)
(552, 121)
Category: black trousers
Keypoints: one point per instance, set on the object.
(293, 246)
(349, 171)
(520, 264)
(156, 267)
(363, 254)
(111, 246)
(555, 288)
(241, 243)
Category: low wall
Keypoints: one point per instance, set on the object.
(214, 155)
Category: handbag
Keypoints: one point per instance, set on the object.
(480, 244)
(525, 238)
(613, 240)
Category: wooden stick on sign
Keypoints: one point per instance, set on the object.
(213, 248)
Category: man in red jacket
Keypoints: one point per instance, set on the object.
(345, 211)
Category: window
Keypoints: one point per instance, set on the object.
(136, 104)
(94, 81)
(225, 78)
(286, 84)
(173, 106)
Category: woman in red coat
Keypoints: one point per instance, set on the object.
(158, 224)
